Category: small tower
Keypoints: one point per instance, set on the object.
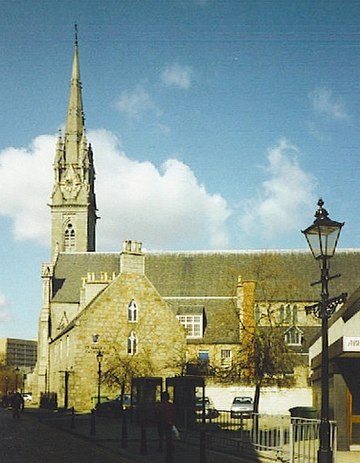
(73, 203)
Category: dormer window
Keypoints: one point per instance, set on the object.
(132, 311)
(193, 325)
(294, 336)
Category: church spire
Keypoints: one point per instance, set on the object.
(73, 202)
(75, 113)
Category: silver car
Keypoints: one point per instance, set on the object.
(209, 408)
(242, 407)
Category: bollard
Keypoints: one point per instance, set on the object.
(202, 444)
(124, 430)
(143, 444)
(72, 418)
(92, 423)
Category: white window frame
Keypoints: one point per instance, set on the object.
(193, 325)
(226, 357)
(293, 336)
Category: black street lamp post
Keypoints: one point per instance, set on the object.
(16, 378)
(322, 237)
(99, 357)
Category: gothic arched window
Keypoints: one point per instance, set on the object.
(69, 238)
(132, 311)
(257, 313)
(132, 344)
(281, 314)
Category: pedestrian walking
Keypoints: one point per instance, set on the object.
(17, 404)
(166, 423)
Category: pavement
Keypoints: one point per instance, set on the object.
(41, 436)
(26, 440)
(348, 457)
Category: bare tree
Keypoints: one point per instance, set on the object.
(263, 357)
(123, 368)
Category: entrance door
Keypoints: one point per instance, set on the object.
(66, 389)
(355, 417)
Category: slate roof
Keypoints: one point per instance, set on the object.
(70, 268)
(285, 275)
(208, 279)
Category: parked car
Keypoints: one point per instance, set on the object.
(27, 396)
(126, 401)
(109, 408)
(210, 410)
(242, 407)
(114, 408)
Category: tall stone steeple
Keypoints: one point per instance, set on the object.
(73, 203)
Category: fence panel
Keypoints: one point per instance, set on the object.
(304, 440)
(278, 437)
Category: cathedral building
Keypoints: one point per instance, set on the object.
(154, 313)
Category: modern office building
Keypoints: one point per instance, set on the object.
(19, 353)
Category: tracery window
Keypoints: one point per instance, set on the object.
(69, 238)
(288, 314)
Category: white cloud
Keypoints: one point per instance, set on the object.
(324, 102)
(282, 203)
(177, 75)
(25, 187)
(135, 103)
(164, 207)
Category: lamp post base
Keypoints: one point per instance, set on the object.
(325, 456)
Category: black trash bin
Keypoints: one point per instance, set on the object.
(303, 412)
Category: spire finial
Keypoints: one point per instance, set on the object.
(76, 35)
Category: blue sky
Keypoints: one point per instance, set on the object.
(215, 125)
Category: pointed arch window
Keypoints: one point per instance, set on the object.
(132, 311)
(69, 238)
(132, 344)
(67, 346)
(295, 314)
(257, 313)
(288, 314)
(282, 314)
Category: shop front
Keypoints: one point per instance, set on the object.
(344, 373)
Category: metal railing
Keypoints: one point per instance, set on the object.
(304, 440)
(277, 437)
